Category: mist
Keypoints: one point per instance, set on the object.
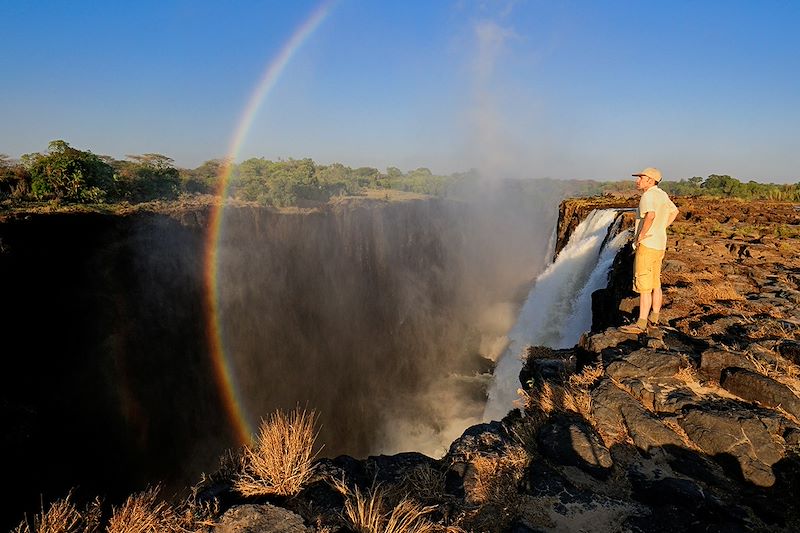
(385, 318)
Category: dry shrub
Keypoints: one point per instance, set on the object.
(492, 489)
(280, 462)
(575, 395)
(367, 512)
(64, 517)
(425, 483)
(706, 293)
(496, 478)
(61, 517)
(144, 513)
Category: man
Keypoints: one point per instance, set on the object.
(656, 212)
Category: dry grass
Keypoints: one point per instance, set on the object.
(64, 517)
(495, 479)
(577, 396)
(574, 396)
(61, 517)
(425, 483)
(780, 370)
(706, 293)
(280, 462)
(144, 513)
(368, 512)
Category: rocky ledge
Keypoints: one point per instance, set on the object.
(693, 427)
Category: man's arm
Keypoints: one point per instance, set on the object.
(649, 217)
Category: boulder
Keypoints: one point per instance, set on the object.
(614, 410)
(264, 518)
(756, 387)
(644, 364)
(735, 437)
(713, 361)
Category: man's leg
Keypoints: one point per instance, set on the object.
(646, 300)
(658, 298)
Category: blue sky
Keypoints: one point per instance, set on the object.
(552, 88)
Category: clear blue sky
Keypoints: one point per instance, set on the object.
(562, 89)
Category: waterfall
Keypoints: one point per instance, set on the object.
(558, 307)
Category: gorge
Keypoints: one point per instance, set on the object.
(381, 316)
(693, 427)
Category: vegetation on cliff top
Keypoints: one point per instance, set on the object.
(64, 174)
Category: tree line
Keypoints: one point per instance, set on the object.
(69, 175)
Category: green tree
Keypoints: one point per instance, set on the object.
(205, 178)
(69, 174)
(147, 177)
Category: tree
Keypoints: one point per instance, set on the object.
(147, 177)
(205, 178)
(66, 173)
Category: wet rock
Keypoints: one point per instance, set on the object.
(756, 387)
(570, 441)
(264, 518)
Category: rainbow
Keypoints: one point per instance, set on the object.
(225, 377)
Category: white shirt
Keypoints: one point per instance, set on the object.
(656, 201)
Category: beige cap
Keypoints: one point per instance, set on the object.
(650, 172)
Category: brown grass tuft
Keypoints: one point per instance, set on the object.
(425, 483)
(496, 478)
(574, 396)
(143, 513)
(280, 461)
(61, 517)
(367, 512)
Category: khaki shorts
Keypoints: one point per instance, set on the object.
(647, 269)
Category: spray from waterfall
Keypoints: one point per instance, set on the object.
(558, 308)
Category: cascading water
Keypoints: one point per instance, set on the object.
(558, 308)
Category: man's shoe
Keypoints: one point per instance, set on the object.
(634, 329)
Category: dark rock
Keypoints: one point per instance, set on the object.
(790, 350)
(609, 338)
(263, 518)
(735, 438)
(756, 387)
(613, 409)
(488, 439)
(644, 364)
(570, 441)
(674, 265)
(713, 361)
(394, 468)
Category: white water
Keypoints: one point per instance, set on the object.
(558, 308)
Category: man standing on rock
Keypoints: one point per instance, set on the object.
(656, 212)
